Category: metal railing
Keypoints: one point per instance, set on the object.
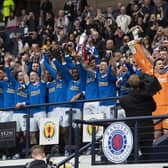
(136, 159)
(92, 144)
(70, 112)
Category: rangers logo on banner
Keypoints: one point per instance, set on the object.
(49, 131)
(87, 129)
(117, 142)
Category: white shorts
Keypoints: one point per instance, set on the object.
(55, 113)
(60, 113)
(20, 121)
(76, 115)
(35, 121)
(90, 108)
(1, 112)
(6, 116)
(107, 111)
(121, 113)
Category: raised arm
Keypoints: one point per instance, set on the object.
(49, 68)
(69, 62)
(10, 76)
(63, 70)
(24, 70)
(111, 74)
(141, 57)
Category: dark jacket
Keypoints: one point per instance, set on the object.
(37, 164)
(137, 104)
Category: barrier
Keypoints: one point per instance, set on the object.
(76, 147)
(135, 158)
(28, 116)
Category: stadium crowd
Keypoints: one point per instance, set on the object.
(78, 53)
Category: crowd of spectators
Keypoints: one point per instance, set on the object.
(77, 53)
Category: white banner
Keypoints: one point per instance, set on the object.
(87, 129)
(49, 131)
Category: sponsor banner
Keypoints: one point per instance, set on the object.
(49, 131)
(7, 134)
(87, 129)
(117, 142)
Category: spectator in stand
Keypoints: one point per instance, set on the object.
(22, 18)
(152, 26)
(161, 10)
(123, 20)
(130, 6)
(88, 12)
(62, 37)
(47, 44)
(109, 13)
(118, 38)
(110, 48)
(31, 22)
(33, 39)
(56, 51)
(69, 9)
(76, 28)
(116, 11)
(46, 7)
(62, 20)
(98, 42)
(15, 45)
(147, 8)
(71, 38)
(110, 27)
(160, 38)
(135, 11)
(49, 21)
(8, 6)
(81, 5)
(146, 42)
(12, 21)
(99, 21)
(124, 49)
